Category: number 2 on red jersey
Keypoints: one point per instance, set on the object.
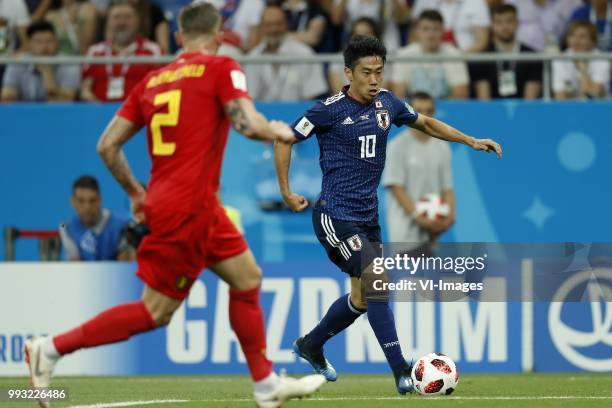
(173, 100)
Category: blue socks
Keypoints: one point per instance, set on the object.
(341, 314)
(382, 322)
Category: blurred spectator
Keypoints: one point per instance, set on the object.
(466, 22)
(388, 14)
(417, 164)
(598, 12)
(153, 23)
(306, 21)
(54, 83)
(14, 20)
(335, 75)
(38, 8)
(507, 79)
(441, 80)
(114, 82)
(542, 22)
(581, 79)
(241, 19)
(94, 234)
(283, 82)
(75, 25)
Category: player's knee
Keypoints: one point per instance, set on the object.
(253, 277)
(162, 316)
(358, 302)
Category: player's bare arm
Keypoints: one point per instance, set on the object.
(247, 121)
(440, 130)
(119, 131)
(282, 161)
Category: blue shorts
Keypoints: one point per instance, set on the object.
(350, 245)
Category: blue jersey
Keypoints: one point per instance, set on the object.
(102, 242)
(353, 143)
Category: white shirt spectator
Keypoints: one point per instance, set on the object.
(460, 16)
(566, 77)
(436, 79)
(13, 13)
(247, 16)
(285, 82)
(540, 24)
(378, 12)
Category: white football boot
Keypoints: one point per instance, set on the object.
(41, 367)
(289, 388)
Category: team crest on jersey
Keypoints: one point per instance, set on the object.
(382, 118)
(355, 242)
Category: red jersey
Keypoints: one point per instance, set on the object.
(114, 82)
(182, 105)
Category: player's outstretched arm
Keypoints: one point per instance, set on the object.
(441, 130)
(247, 121)
(119, 131)
(282, 161)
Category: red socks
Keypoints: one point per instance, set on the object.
(113, 325)
(247, 320)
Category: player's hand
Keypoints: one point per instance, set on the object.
(487, 145)
(435, 226)
(295, 202)
(282, 131)
(137, 201)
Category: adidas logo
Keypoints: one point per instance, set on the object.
(348, 121)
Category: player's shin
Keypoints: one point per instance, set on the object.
(340, 315)
(113, 325)
(247, 320)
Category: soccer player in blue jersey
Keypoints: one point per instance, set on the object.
(352, 128)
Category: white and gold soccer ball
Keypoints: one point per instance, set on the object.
(435, 374)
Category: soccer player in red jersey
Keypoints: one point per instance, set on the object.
(187, 107)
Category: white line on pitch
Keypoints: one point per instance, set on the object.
(127, 403)
(324, 399)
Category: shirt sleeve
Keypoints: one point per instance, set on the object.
(131, 108)
(232, 82)
(403, 114)
(69, 77)
(315, 120)
(20, 12)
(479, 16)
(559, 76)
(11, 77)
(71, 249)
(394, 174)
(600, 72)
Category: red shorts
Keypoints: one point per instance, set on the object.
(181, 245)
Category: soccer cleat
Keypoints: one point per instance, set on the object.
(403, 379)
(289, 388)
(41, 367)
(316, 359)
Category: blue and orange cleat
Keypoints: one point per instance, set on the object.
(316, 359)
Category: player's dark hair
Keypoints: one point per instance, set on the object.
(365, 20)
(590, 27)
(198, 19)
(362, 46)
(504, 9)
(431, 15)
(421, 96)
(87, 182)
(40, 26)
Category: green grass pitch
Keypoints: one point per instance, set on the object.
(361, 391)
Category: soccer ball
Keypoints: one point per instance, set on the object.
(435, 374)
(432, 206)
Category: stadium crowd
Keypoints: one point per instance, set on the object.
(304, 27)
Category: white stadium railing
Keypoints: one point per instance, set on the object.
(545, 58)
